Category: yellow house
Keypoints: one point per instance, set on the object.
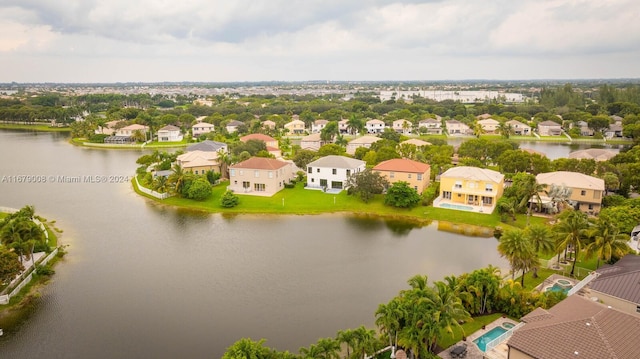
(470, 189)
(416, 174)
(586, 191)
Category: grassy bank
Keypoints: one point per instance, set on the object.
(301, 201)
(35, 127)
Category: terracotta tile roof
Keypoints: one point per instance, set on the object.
(260, 163)
(580, 328)
(257, 136)
(402, 165)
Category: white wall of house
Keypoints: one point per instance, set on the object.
(320, 177)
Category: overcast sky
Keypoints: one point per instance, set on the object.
(297, 40)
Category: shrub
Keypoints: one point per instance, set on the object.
(45, 270)
(229, 200)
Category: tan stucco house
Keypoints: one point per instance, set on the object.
(586, 191)
(260, 176)
(199, 162)
(364, 141)
(416, 174)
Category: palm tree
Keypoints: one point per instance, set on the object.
(225, 160)
(607, 241)
(516, 247)
(478, 130)
(505, 130)
(365, 341)
(447, 310)
(347, 337)
(160, 184)
(541, 239)
(355, 125)
(529, 190)
(177, 178)
(571, 232)
(388, 317)
(329, 348)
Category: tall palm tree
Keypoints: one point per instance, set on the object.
(329, 348)
(355, 125)
(529, 191)
(478, 130)
(571, 232)
(607, 241)
(516, 247)
(347, 337)
(541, 239)
(225, 160)
(447, 310)
(388, 317)
(177, 178)
(365, 341)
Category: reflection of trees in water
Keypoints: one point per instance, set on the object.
(370, 223)
(465, 229)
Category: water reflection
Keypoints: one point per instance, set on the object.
(465, 229)
(397, 227)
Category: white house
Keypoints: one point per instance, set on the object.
(201, 128)
(518, 128)
(318, 125)
(402, 126)
(169, 133)
(489, 125)
(455, 127)
(343, 126)
(433, 126)
(332, 172)
(233, 126)
(374, 126)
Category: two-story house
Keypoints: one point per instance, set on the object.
(455, 127)
(260, 176)
(318, 125)
(331, 172)
(271, 143)
(468, 188)
(586, 191)
(402, 126)
(295, 127)
(416, 174)
(169, 133)
(374, 126)
(489, 125)
(549, 128)
(364, 141)
(233, 125)
(202, 128)
(199, 162)
(518, 128)
(432, 126)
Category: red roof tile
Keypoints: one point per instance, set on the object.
(402, 165)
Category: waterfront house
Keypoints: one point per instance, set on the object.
(169, 133)
(433, 126)
(489, 125)
(470, 188)
(109, 128)
(416, 142)
(618, 285)
(131, 129)
(374, 126)
(199, 162)
(596, 154)
(455, 127)
(549, 128)
(586, 191)
(518, 128)
(576, 328)
(416, 174)
(402, 126)
(614, 130)
(260, 176)
(331, 172)
(208, 145)
(201, 128)
(364, 141)
(295, 127)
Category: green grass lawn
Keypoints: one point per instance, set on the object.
(446, 339)
(156, 144)
(36, 127)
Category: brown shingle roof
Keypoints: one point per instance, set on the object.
(402, 165)
(580, 328)
(260, 163)
(621, 280)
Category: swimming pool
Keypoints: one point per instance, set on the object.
(489, 336)
(508, 325)
(560, 287)
(456, 206)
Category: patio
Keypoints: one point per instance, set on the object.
(482, 208)
(473, 351)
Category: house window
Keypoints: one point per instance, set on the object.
(419, 176)
(256, 174)
(336, 185)
(241, 173)
(416, 188)
(334, 171)
(348, 172)
(318, 170)
(590, 207)
(323, 183)
(196, 171)
(232, 172)
(392, 175)
(258, 187)
(246, 184)
(310, 170)
(235, 182)
(638, 309)
(446, 194)
(458, 184)
(270, 174)
(488, 187)
(409, 175)
(583, 193)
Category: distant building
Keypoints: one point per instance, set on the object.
(201, 128)
(549, 128)
(364, 141)
(374, 126)
(169, 133)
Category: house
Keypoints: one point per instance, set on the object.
(199, 162)
(131, 129)
(618, 285)
(518, 128)
(455, 127)
(364, 141)
(233, 125)
(318, 125)
(484, 116)
(374, 126)
(260, 176)
(201, 128)
(614, 130)
(586, 191)
(402, 126)
(312, 142)
(470, 188)
(549, 128)
(416, 142)
(433, 126)
(576, 328)
(169, 133)
(584, 128)
(271, 143)
(343, 126)
(295, 127)
(109, 128)
(489, 125)
(597, 154)
(209, 146)
(416, 174)
(332, 172)
(268, 124)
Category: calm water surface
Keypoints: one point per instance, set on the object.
(142, 280)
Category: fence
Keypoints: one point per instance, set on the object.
(26, 278)
(504, 336)
(151, 192)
